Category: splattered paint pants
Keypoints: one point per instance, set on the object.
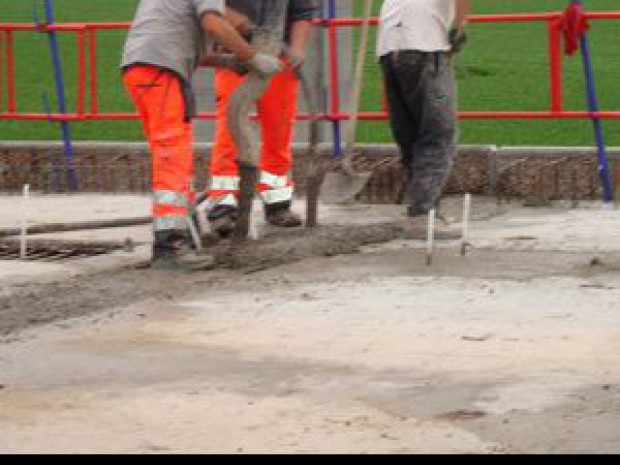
(421, 93)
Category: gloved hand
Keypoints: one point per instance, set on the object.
(296, 59)
(230, 61)
(264, 64)
(457, 38)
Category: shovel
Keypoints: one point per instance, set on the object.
(344, 184)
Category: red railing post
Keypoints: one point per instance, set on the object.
(1, 70)
(10, 72)
(81, 50)
(334, 71)
(555, 65)
(94, 91)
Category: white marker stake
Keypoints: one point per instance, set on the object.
(23, 249)
(430, 237)
(466, 216)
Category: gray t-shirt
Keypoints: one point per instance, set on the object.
(168, 33)
(298, 10)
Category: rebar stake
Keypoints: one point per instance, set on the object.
(466, 216)
(430, 237)
(23, 244)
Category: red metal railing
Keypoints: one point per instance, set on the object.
(88, 75)
(556, 110)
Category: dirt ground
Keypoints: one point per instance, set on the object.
(338, 341)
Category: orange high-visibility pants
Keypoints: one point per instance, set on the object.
(159, 99)
(277, 111)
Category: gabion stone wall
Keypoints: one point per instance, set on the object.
(536, 176)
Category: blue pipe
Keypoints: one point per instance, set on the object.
(333, 14)
(60, 95)
(593, 106)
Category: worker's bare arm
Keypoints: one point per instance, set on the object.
(462, 10)
(300, 32)
(227, 35)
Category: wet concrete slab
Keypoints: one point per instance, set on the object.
(512, 348)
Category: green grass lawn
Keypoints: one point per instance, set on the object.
(504, 67)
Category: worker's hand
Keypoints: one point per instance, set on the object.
(228, 61)
(457, 38)
(296, 59)
(239, 21)
(265, 65)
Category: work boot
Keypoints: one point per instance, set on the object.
(223, 219)
(282, 217)
(173, 250)
(416, 228)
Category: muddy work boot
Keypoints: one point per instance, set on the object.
(173, 250)
(416, 228)
(282, 217)
(223, 219)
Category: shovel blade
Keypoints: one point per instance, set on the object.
(340, 188)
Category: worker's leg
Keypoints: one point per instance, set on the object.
(277, 111)
(158, 97)
(430, 94)
(224, 171)
(403, 122)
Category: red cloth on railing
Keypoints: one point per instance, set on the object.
(574, 25)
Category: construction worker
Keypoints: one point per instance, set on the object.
(416, 44)
(276, 111)
(163, 49)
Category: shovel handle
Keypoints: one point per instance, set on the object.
(358, 76)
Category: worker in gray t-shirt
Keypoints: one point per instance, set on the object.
(416, 45)
(163, 49)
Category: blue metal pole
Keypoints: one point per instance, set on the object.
(333, 14)
(604, 173)
(60, 95)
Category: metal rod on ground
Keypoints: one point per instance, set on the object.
(593, 106)
(466, 216)
(193, 229)
(23, 245)
(430, 244)
(81, 226)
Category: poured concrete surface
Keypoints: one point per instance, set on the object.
(513, 348)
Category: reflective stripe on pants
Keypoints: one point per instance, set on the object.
(275, 189)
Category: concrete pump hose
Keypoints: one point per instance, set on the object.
(267, 38)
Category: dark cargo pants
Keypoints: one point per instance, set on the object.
(421, 92)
